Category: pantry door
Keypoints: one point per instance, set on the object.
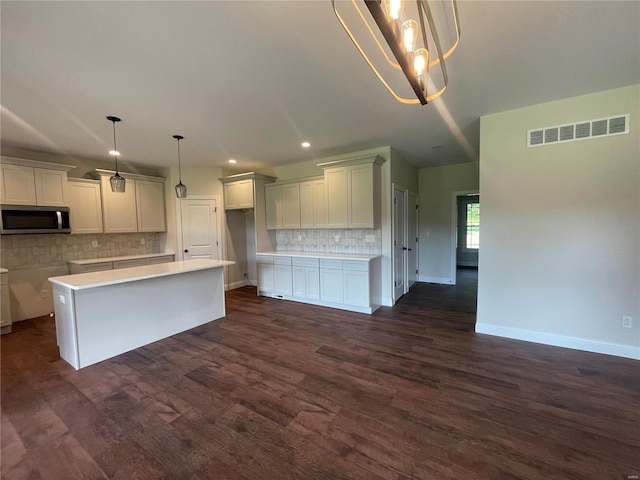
(199, 225)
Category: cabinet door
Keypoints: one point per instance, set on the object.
(138, 262)
(291, 206)
(313, 283)
(282, 279)
(356, 288)
(119, 208)
(150, 206)
(17, 185)
(336, 184)
(273, 201)
(86, 207)
(331, 285)
(231, 196)
(360, 196)
(245, 193)
(265, 277)
(307, 205)
(320, 219)
(51, 187)
(300, 282)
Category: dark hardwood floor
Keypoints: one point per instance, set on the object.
(280, 390)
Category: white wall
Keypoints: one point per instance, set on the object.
(436, 226)
(560, 236)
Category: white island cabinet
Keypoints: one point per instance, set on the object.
(102, 314)
(345, 281)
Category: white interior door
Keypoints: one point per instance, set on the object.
(412, 239)
(199, 228)
(399, 243)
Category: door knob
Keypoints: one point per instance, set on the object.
(405, 248)
(186, 251)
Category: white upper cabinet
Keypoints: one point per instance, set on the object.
(150, 206)
(140, 208)
(238, 194)
(313, 204)
(273, 205)
(282, 205)
(353, 192)
(86, 206)
(29, 182)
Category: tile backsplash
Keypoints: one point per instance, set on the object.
(367, 241)
(21, 252)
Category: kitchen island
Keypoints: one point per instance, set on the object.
(102, 314)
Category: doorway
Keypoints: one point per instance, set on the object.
(405, 240)
(199, 228)
(465, 241)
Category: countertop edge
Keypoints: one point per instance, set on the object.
(323, 255)
(83, 281)
(88, 261)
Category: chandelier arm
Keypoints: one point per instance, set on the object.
(407, 101)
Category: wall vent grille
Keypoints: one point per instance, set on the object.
(601, 127)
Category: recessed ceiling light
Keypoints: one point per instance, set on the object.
(114, 153)
(305, 144)
(232, 161)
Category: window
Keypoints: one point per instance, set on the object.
(472, 237)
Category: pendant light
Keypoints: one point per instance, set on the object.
(117, 182)
(181, 188)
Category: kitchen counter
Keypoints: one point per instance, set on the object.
(88, 261)
(103, 314)
(333, 256)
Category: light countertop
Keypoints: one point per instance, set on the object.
(332, 256)
(117, 259)
(83, 281)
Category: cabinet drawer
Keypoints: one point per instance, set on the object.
(97, 267)
(305, 262)
(157, 260)
(354, 265)
(129, 263)
(336, 264)
(282, 260)
(264, 259)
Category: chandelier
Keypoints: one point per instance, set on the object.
(414, 32)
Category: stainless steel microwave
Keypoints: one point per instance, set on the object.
(26, 219)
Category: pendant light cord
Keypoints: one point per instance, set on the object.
(179, 163)
(115, 146)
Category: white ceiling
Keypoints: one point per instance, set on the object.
(251, 80)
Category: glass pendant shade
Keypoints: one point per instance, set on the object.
(117, 183)
(181, 188)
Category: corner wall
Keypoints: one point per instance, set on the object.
(560, 236)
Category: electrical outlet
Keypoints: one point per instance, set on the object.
(44, 293)
(299, 238)
(62, 299)
(627, 322)
(142, 241)
(370, 238)
(94, 244)
(337, 237)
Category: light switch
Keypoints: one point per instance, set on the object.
(62, 299)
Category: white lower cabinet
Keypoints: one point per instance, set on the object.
(336, 283)
(331, 281)
(356, 283)
(265, 273)
(306, 278)
(282, 277)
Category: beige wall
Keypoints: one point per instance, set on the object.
(436, 226)
(560, 229)
(403, 173)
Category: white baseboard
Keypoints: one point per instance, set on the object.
(574, 343)
(234, 285)
(386, 302)
(442, 280)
